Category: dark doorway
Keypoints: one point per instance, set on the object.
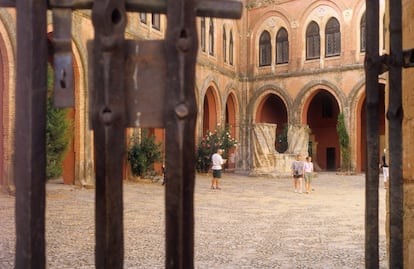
(330, 158)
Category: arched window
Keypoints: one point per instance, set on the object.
(362, 27)
(231, 48)
(143, 17)
(332, 38)
(282, 46)
(203, 34)
(211, 37)
(384, 32)
(265, 49)
(224, 44)
(155, 20)
(313, 41)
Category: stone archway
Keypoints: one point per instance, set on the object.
(322, 116)
(209, 111)
(361, 128)
(230, 121)
(272, 109)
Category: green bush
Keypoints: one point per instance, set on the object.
(58, 135)
(344, 143)
(209, 144)
(143, 153)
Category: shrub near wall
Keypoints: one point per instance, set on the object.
(209, 144)
(143, 153)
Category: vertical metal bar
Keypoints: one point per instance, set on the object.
(181, 111)
(63, 91)
(30, 149)
(372, 66)
(109, 121)
(395, 116)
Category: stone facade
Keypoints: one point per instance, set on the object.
(262, 70)
(242, 78)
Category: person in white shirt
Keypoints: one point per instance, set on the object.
(308, 173)
(217, 161)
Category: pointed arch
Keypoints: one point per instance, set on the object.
(313, 41)
(282, 46)
(265, 49)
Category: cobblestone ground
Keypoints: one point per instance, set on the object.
(252, 222)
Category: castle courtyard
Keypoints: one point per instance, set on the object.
(252, 222)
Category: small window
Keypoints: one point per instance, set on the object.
(231, 48)
(313, 41)
(332, 38)
(211, 37)
(143, 17)
(203, 34)
(156, 24)
(282, 46)
(265, 49)
(363, 33)
(384, 32)
(224, 45)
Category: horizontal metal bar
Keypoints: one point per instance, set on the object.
(231, 9)
(7, 3)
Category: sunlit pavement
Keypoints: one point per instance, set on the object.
(252, 222)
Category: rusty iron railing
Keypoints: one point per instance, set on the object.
(117, 79)
(121, 97)
(375, 65)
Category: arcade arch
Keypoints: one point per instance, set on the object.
(272, 109)
(321, 117)
(360, 115)
(210, 110)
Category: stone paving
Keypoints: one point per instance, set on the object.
(252, 222)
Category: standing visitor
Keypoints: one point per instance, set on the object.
(217, 161)
(308, 173)
(297, 173)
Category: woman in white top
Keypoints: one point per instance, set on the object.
(308, 173)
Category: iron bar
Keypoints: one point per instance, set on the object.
(30, 134)
(109, 122)
(63, 90)
(231, 9)
(395, 116)
(181, 111)
(372, 69)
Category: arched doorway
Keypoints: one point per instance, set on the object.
(231, 114)
(322, 116)
(272, 109)
(230, 120)
(209, 111)
(361, 123)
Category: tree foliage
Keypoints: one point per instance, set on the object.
(58, 135)
(209, 144)
(344, 143)
(143, 153)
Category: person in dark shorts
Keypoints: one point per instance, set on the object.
(217, 167)
(298, 170)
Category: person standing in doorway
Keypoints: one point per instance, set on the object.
(297, 173)
(384, 165)
(217, 167)
(308, 173)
